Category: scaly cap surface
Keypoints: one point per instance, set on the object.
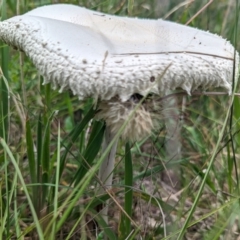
(103, 56)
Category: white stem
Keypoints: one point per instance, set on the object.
(107, 167)
(173, 137)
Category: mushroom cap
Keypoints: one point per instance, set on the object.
(103, 56)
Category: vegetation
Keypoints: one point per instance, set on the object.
(50, 149)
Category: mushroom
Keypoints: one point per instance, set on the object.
(119, 61)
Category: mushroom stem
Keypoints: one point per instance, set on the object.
(106, 169)
(173, 124)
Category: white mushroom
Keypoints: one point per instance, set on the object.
(108, 57)
(103, 56)
(112, 59)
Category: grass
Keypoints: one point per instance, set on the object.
(50, 151)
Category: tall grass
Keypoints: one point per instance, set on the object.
(50, 151)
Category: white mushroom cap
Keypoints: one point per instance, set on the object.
(103, 56)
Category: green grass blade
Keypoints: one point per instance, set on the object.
(4, 94)
(55, 201)
(128, 188)
(93, 147)
(45, 160)
(10, 186)
(107, 230)
(16, 216)
(39, 147)
(130, 7)
(30, 152)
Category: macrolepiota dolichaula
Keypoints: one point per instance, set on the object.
(124, 63)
